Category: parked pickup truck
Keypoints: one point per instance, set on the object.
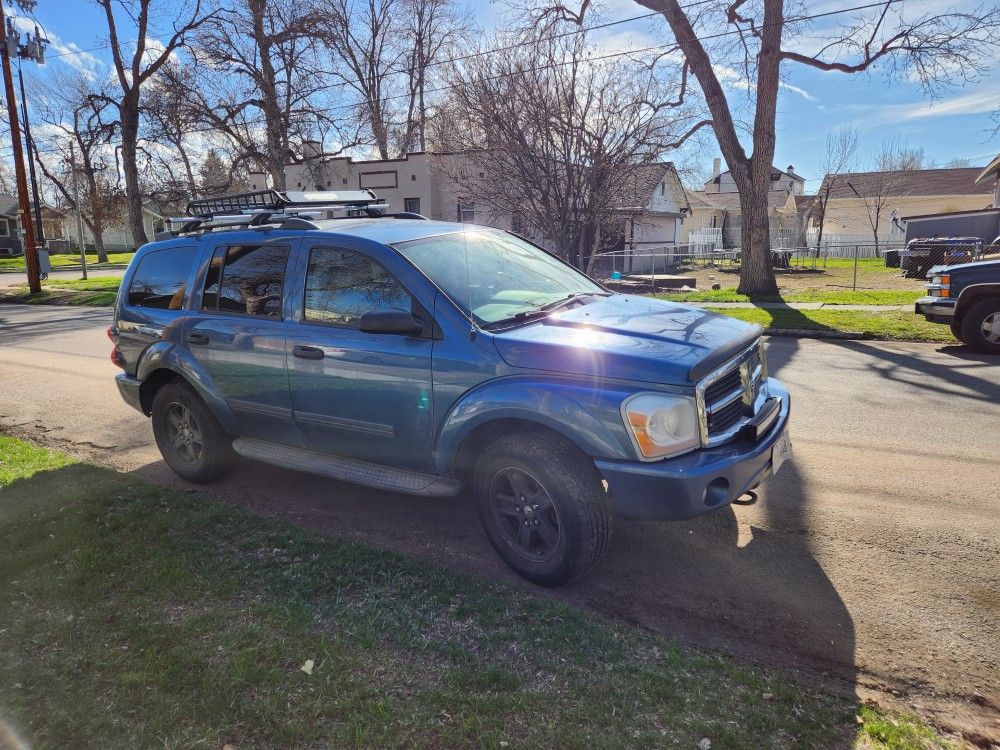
(440, 359)
(966, 297)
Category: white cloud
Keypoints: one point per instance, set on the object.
(978, 102)
(66, 53)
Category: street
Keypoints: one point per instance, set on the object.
(871, 559)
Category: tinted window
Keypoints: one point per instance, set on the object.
(250, 283)
(341, 286)
(161, 277)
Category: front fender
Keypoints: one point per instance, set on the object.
(589, 417)
(164, 355)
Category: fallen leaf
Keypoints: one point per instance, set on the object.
(704, 744)
(307, 667)
(769, 696)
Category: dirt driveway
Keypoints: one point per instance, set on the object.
(869, 563)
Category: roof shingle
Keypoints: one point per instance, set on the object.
(951, 181)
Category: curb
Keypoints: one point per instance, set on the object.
(807, 333)
(90, 267)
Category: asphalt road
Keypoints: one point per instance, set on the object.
(872, 560)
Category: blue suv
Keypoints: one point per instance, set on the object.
(315, 332)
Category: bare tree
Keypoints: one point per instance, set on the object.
(880, 189)
(259, 82)
(841, 148)
(168, 123)
(74, 105)
(132, 72)
(749, 41)
(562, 143)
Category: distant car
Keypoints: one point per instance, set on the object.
(424, 357)
(922, 254)
(966, 297)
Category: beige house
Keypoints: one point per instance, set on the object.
(716, 212)
(651, 214)
(854, 198)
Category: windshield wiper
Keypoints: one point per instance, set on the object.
(547, 306)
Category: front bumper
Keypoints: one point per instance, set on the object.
(936, 309)
(128, 386)
(699, 482)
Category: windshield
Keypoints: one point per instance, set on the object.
(504, 276)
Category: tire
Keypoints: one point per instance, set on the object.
(981, 326)
(563, 534)
(956, 330)
(189, 437)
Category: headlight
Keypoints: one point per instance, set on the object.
(661, 425)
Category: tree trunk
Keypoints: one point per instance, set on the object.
(98, 231)
(133, 196)
(756, 266)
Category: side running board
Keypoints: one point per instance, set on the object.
(347, 469)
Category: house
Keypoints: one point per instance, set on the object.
(650, 214)
(10, 232)
(897, 195)
(716, 211)
(61, 235)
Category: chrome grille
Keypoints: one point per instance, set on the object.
(729, 397)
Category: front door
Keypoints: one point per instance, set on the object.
(239, 337)
(355, 394)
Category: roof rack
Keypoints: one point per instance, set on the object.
(287, 210)
(279, 201)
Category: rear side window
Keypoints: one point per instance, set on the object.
(161, 278)
(247, 280)
(341, 286)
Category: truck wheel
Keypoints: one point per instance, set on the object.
(956, 330)
(189, 436)
(543, 506)
(981, 326)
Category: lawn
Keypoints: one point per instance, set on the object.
(826, 296)
(65, 259)
(99, 291)
(901, 325)
(137, 615)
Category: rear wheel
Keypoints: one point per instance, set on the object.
(189, 436)
(543, 506)
(981, 326)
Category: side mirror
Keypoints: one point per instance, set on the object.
(390, 321)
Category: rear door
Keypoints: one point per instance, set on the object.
(362, 395)
(238, 337)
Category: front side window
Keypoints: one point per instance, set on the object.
(246, 280)
(161, 278)
(495, 275)
(342, 285)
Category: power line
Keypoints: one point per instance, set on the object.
(598, 58)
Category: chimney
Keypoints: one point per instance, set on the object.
(791, 169)
(311, 149)
(716, 167)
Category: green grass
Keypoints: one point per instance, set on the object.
(136, 615)
(65, 259)
(900, 325)
(829, 297)
(99, 291)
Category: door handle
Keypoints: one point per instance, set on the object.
(308, 352)
(197, 338)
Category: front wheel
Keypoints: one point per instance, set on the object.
(543, 506)
(189, 436)
(956, 331)
(981, 326)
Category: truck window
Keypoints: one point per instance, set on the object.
(342, 285)
(246, 280)
(161, 278)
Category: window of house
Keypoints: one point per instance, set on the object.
(342, 285)
(466, 210)
(663, 188)
(161, 279)
(412, 205)
(246, 280)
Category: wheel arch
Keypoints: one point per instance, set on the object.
(973, 294)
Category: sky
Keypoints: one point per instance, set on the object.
(811, 102)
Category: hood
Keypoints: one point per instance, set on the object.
(628, 337)
(992, 265)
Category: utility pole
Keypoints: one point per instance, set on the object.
(79, 214)
(40, 231)
(24, 212)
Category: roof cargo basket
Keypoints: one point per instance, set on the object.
(273, 201)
